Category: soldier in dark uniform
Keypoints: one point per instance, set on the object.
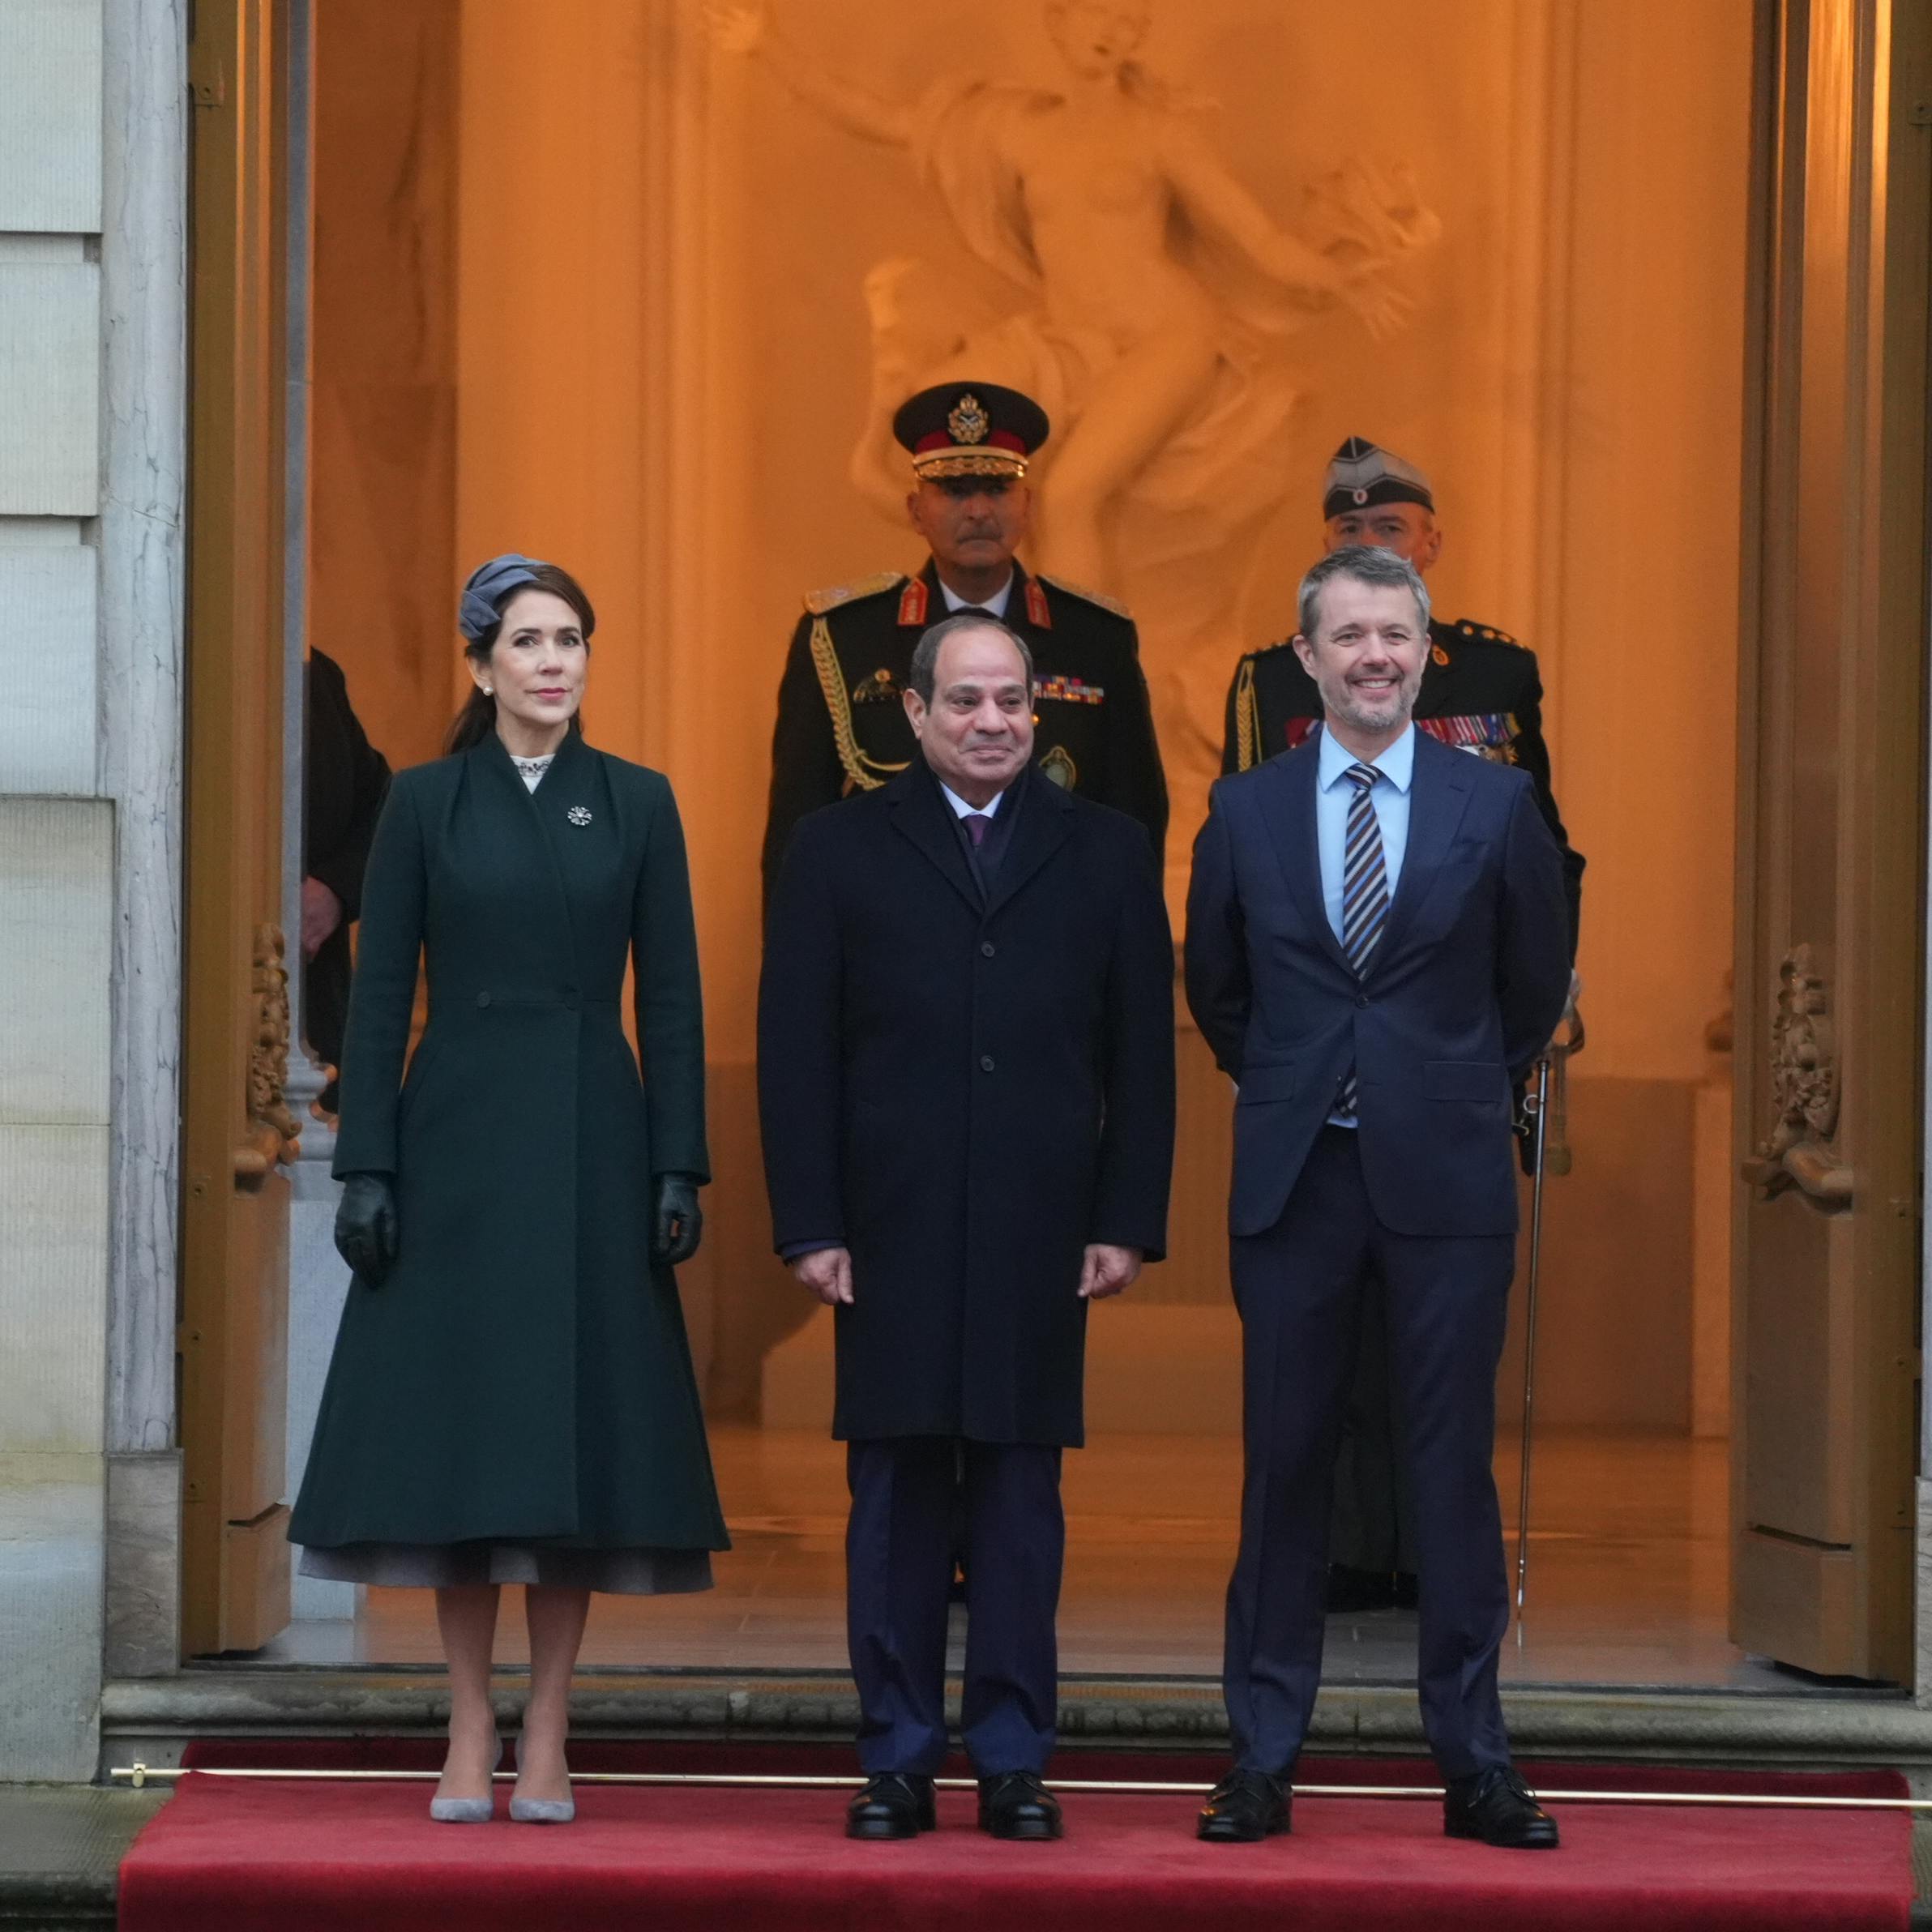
(345, 780)
(841, 717)
(1481, 691)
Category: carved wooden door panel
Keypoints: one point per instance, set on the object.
(237, 1128)
(1832, 766)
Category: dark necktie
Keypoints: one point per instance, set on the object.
(1364, 897)
(977, 824)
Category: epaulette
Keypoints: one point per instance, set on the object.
(1464, 628)
(821, 600)
(1087, 596)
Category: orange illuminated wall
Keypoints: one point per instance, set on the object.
(586, 287)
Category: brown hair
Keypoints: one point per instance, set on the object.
(478, 717)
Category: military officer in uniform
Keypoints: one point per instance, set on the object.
(842, 722)
(1481, 691)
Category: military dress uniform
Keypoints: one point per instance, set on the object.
(1481, 693)
(842, 726)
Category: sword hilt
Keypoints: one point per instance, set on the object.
(1565, 1044)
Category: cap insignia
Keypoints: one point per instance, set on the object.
(968, 421)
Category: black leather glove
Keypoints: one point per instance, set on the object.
(366, 1226)
(677, 1222)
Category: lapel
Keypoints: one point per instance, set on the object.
(1019, 616)
(1288, 809)
(919, 812)
(1045, 824)
(1438, 794)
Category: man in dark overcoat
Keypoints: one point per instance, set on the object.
(967, 1088)
(1482, 693)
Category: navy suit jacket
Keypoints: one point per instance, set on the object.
(1463, 990)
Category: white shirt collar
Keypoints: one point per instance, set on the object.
(962, 810)
(1397, 764)
(996, 603)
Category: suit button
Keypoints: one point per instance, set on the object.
(985, 949)
(570, 1001)
(985, 1063)
(1362, 999)
(482, 999)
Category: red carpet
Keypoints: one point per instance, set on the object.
(241, 1856)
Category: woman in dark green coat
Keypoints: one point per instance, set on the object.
(511, 1398)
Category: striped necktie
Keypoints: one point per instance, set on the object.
(1365, 896)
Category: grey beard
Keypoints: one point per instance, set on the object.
(1339, 701)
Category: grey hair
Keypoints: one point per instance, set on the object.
(1366, 563)
(924, 675)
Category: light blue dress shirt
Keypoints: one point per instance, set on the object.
(1334, 792)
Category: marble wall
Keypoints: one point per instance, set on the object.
(92, 380)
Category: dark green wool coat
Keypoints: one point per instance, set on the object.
(523, 1372)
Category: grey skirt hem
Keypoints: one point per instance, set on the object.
(641, 1571)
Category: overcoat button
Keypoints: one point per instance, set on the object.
(482, 999)
(1362, 999)
(986, 949)
(985, 1063)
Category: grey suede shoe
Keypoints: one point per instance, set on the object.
(540, 1810)
(468, 1810)
(543, 1811)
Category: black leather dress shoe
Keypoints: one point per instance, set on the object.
(1015, 1804)
(893, 1804)
(1496, 1807)
(1245, 1807)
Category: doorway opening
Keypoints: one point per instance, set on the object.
(605, 293)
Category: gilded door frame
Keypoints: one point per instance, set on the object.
(1840, 1603)
(236, 1128)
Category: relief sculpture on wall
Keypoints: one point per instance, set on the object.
(274, 1135)
(1804, 1086)
(1155, 302)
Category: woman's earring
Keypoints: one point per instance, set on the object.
(489, 691)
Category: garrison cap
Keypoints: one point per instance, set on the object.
(1361, 474)
(970, 430)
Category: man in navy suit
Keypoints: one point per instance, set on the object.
(1378, 945)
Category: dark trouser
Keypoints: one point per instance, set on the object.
(899, 1551)
(1299, 1290)
(1373, 1525)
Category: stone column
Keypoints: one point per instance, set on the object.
(142, 559)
